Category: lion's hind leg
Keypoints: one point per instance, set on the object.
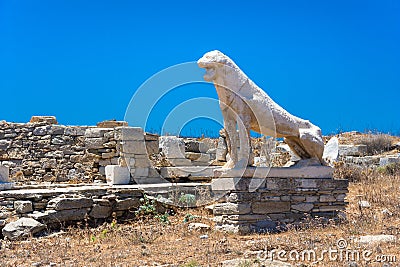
(312, 142)
(297, 147)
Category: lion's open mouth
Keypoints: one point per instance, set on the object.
(210, 74)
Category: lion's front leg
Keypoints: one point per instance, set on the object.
(245, 154)
(231, 139)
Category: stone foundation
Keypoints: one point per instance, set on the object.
(61, 204)
(257, 204)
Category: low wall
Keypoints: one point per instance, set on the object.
(268, 204)
(44, 152)
(62, 204)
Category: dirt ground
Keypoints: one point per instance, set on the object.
(166, 240)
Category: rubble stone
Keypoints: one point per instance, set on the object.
(22, 228)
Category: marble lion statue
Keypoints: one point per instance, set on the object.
(247, 107)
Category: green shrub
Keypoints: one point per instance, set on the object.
(390, 169)
(147, 207)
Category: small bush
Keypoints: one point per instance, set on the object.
(192, 263)
(187, 199)
(163, 218)
(376, 143)
(390, 169)
(147, 207)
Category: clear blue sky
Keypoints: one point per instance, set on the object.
(336, 63)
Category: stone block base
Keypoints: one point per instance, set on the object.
(270, 204)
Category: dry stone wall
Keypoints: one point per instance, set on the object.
(46, 152)
(61, 205)
(43, 151)
(278, 202)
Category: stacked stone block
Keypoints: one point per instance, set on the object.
(46, 152)
(196, 152)
(101, 142)
(40, 151)
(173, 148)
(279, 201)
(134, 153)
(54, 206)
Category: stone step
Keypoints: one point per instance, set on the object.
(193, 173)
(275, 172)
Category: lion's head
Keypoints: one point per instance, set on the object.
(212, 61)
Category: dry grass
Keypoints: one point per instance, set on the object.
(376, 143)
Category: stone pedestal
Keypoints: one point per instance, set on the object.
(263, 200)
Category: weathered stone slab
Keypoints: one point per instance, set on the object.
(129, 134)
(352, 150)
(331, 150)
(100, 212)
(5, 144)
(365, 161)
(23, 206)
(41, 131)
(239, 184)
(172, 147)
(44, 119)
(195, 146)
(150, 180)
(134, 147)
(331, 208)
(52, 216)
(264, 172)
(96, 132)
(327, 198)
(139, 172)
(222, 149)
(303, 207)
(389, 160)
(142, 161)
(4, 174)
(22, 228)
(152, 147)
(231, 208)
(180, 162)
(94, 143)
(197, 157)
(151, 137)
(126, 204)
(266, 207)
(111, 124)
(57, 130)
(117, 175)
(189, 171)
(66, 203)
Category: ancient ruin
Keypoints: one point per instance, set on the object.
(57, 174)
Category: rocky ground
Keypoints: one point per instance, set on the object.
(372, 224)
